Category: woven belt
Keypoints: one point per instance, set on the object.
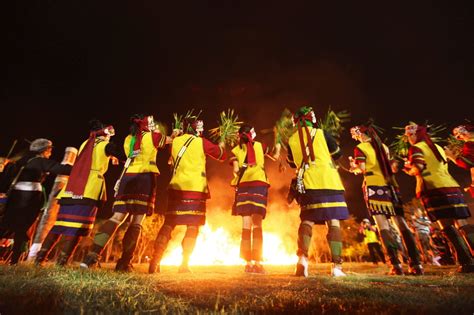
(28, 186)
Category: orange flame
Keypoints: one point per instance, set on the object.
(218, 242)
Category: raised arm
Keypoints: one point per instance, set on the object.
(216, 151)
(333, 147)
(416, 162)
(357, 163)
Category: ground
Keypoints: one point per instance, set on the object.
(226, 289)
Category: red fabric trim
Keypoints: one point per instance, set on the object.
(250, 154)
(419, 158)
(441, 192)
(422, 135)
(257, 196)
(82, 167)
(247, 139)
(466, 159)
(142, 127)
(464, 163)
(181, 194)
(358, 154)
(74, 217)
(253, 184)
(382, 158)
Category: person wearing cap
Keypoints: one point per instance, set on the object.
(187, 191)
(84, 193)
(381, 193)
(27, 198)
(369, 233)
(320, 192)
(135, 191)
(465, 158)
(440, 194)
(251, 184)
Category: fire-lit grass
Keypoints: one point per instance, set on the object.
(215, 289)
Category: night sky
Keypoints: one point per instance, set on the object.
(69, 61)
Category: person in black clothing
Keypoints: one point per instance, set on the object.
(26, 197)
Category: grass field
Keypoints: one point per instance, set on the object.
(219, 289)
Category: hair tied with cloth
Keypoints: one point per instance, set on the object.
(303, 118)
(140, 124)
(247, 136)
(421, 134)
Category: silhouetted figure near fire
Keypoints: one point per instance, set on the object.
(251, 184)
(317, 188)
(187, 191)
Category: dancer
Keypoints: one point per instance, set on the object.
(188, 190)
(135, 191)
(251, 184)
(27, 198)
(318, 188)
(382, 197)
(465, 158)
(438, 191)
(84, 193)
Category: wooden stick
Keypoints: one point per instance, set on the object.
(11, 148)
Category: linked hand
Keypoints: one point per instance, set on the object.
(353, 166)
(449, 153)
(277, 151)
(114, 160)
(176, 133)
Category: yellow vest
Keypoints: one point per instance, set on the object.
(145, 161)
(435, 175)
(370, 236)
(373, 173)
(322, 173)
(252, 173)
(95, 186)
(190, 175)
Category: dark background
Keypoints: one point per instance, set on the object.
(69, 61)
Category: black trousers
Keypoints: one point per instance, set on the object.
(22, 209)
(376, 250)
